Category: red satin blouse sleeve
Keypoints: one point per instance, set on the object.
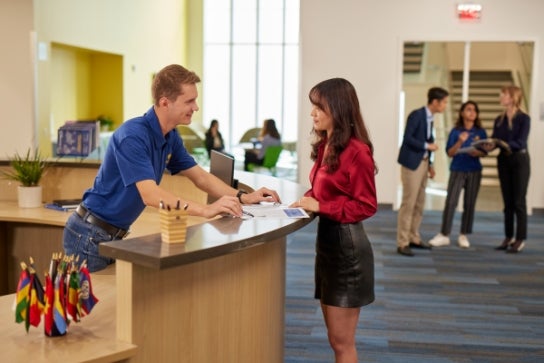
(349, 194)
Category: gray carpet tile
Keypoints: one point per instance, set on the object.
(445, 305)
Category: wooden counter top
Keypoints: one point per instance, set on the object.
(147, 223)
(212, 238)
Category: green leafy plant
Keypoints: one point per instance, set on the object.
(28, 169)
(106, 123)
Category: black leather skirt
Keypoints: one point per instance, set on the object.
(344, 265)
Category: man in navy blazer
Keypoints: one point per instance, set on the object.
(415, 160)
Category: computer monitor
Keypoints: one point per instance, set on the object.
(222, 166)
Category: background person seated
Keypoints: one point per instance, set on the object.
(269, 136)
(214, 139)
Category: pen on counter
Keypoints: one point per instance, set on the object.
(247, 213)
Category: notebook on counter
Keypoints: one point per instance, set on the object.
(63, 204)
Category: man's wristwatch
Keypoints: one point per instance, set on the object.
(239, 195)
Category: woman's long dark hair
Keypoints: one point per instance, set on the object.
(477, 122)
(338, 98)
(269, 128)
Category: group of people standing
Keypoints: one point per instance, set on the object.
(513, 164)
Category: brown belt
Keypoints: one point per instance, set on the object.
(116, 233)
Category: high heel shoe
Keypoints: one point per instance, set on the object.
(516, 247)
(504, 245)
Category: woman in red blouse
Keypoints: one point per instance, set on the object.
(343, 194)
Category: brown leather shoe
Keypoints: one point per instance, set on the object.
(405, 251)
(516, 247)
(504, 245)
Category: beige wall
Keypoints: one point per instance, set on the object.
(16, 80)
(147, 34)
(361, 40)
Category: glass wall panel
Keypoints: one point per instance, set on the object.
(217, 21)
(271, 21)
(250, 73)
(243, 90)
(292, 15)
(217, 87)
(290, 96)
(270, 84)
(244, 21)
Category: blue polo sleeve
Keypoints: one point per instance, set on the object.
(179, 159)
(134, 160)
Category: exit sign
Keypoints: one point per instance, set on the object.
(469, 11)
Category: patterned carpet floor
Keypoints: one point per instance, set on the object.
(445, 305)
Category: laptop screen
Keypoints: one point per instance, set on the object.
(222, 166)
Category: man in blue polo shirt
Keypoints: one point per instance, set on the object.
(137, 155)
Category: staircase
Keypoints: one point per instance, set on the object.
(484, 88)
(413, 56)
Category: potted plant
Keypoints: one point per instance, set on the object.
(106, 123)
(28, 170)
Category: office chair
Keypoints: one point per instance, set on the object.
(250, 135)
(271, 157)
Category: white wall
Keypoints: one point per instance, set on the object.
(361, 40)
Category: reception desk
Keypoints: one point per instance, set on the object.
(219, 297)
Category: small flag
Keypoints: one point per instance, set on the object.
(49, 301)
(37, 303)
(86, 297)
(59, 313)
(22, 296)
(72, 297)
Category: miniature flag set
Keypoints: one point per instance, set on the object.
(67, 295)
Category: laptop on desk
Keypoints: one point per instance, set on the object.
(222, 166)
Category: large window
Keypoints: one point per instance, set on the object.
(251, 65)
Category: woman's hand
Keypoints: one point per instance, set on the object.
(488, 146)
(463, 136)
(309, 204)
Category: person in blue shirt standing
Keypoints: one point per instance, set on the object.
(137, 155)
(465, 174)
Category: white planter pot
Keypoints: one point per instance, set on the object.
(30, 197)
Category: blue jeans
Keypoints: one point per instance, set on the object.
(81, 239)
